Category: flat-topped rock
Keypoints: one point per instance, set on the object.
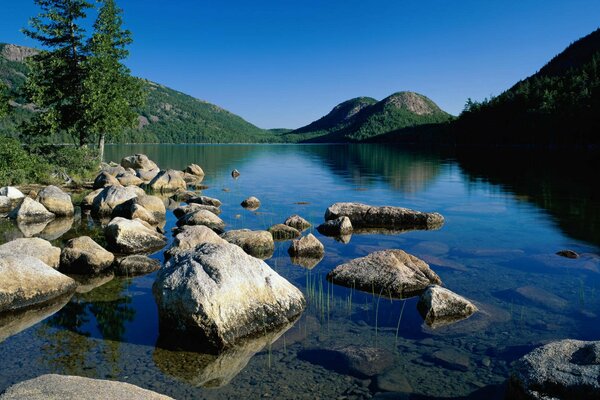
(56, 201)
(64, 387)
(190, 208)
(84, 256)
(215, 296)
(439, 306)
(393, 273)
(307, 246)
(190, 236)
(132, 236)
(31, 211)
(256, 243)
(284, 232)
(11, 192)
(202, 217)
(147, 175)
(366, 216)
(113, 170)
(33, 247)
(26, 281)
(168, 181)
(566, 369)
(205, 200)
(138, 162)
(128, 178)
(296, 221)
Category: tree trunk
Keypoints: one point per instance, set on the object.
(101, 147)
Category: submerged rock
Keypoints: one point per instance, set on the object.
(67, 387)
(84, 256)
(358, 361)
(566, 369)
(168, 181)
(136, 265)
(296, 221)
(138, 161)
(392, 273)
(205, 200)
(194, 169)
(33, 247)
(31, 211)
(366, 216)
(307, 246)
(568, 254)
(56, 201)
(251, 203)
(105, 179)
(284, 232)
(439, 306)
(26, 281)
(256, 243)
(132, 236)
(336, 227)
(215, 296)
(202, 217)
(190, 208)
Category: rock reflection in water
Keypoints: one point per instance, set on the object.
(56, 228)
(208, 370)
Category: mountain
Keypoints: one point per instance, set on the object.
(168, 117)
(558, 105)
(364, 118)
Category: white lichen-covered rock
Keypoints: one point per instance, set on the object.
(251, 203)
(11, 192)
(83, 256)
(202, 217)
(190, 236)
(56, 201)
(366, 216)
(307, 246)
(168, 181)
(110, 198)
(26, 281)
(67, 387)
(566, 369)
(256, 243)
(394, 273)
(138, 161)
(284, 232)
(336, 227)
(216, 296)
(132, 236)
(33, 247)
(105, 179)
(181, 211)
(31, 211)
(439, 306)
(296, 221)
(205, 200)
(194, 169)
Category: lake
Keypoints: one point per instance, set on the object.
(506, 215)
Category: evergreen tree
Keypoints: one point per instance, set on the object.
(111, 94)
(4, 106)
(55, 83)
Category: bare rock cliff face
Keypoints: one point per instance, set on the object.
(411, 102)
(17, 53)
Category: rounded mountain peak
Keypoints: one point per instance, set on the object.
(413, 102)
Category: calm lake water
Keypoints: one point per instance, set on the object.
(506, 217)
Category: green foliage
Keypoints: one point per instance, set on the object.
(4, 106)
(80, 162)
(18, 166)
(558, 105)
(55, 79)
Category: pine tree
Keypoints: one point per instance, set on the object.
(111, 93)
(55, 83)
(4, 106)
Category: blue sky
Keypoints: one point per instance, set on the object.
(284, 63)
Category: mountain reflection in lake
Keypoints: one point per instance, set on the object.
(506, 217)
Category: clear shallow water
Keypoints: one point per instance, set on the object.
(506, 216)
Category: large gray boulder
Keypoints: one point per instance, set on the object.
(128, 178)
(136, 265)
(390, 272)
(366, 216)
(307, 246)
(88, 200)
(56, 201)
(153, 204)
(336, 227)
(190, 236)
(83, 256)
(26, 281)
(181, 211)
(256, 243)
(205, 200)
(215, 296)
(132, 236)
(31, 211)
(33, 247)
(439, 306)
(296, 221)
(138, 162)
(111, 197)
(147, 175)
(194, 169)
(65, 387)
(113, 170)
(567, 369)
(6, 205)
(202, 217)
(168, 181)
(11, 192)
(105, 179)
